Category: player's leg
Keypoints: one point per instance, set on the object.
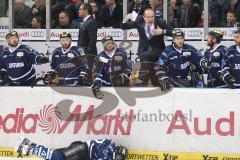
(77, 150)
(26, 148)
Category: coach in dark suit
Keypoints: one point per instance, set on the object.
(87, 38)
(151, 42)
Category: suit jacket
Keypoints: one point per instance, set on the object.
(98, 18)
(87, 38)
(156, 42)
(194, 15)
(113, 20)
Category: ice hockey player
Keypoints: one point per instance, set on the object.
(17, 62)
(213, 59)
(98, 149)
(69, 64)
(230, 73)
(178, 64)
(111, 67)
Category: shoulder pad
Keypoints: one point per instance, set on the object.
(29, 48)
(81, 52)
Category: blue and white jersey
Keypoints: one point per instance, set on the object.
(179, 62)
(216, 58)
(232, 66)
(103, 76)
(19, 63)
(101, 149)
(69, 64)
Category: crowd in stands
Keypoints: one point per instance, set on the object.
(108, 13)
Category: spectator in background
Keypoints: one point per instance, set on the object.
(73, 7)
(96, 13)
(190, 13)
(65, 21)
(232, 19)
(3, 8)
(199, 2)
(235, 6)
(157, 6)
(57, 7)
(22, 15)
(37, 22)
(112, 14)
(100, 3)
(171, 8)
(173, 14)
(218, 10)
(210, 21)
(39, 9)
(138, 6)
(215, 11)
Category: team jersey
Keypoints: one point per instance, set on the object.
(69, 64)
(103, 75)
(216, 58)
(232, 66)
(101, 149)
(179, 62)
(19, 63)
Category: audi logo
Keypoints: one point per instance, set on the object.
(115, 33)
(2, 34)
(194, 34)
(111, 33)
(74, 34)
(37, 33)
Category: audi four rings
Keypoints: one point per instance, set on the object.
(37, 33)
(194, 34)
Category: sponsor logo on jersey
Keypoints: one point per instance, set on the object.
(70, 55)
(20, 54)
(184, 65)
(16, 65)
(185, 54)
(67, 65)
(237, 66)
(117, 68)
(215, 64)
(216, 54)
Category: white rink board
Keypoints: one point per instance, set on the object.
(22, 113)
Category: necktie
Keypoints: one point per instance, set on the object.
(149, 32)
(111, 11)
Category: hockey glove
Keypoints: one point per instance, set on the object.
(165, 84)
(120, 153)
(96, 89)
(205, 64)
(230, 81)
(3, 78)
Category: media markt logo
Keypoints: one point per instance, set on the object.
(49, 120)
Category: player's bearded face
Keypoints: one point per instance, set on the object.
(13, 41)
(179, 41)
(210, 40)
(66, 42)
(109, 46)
(237, 39)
